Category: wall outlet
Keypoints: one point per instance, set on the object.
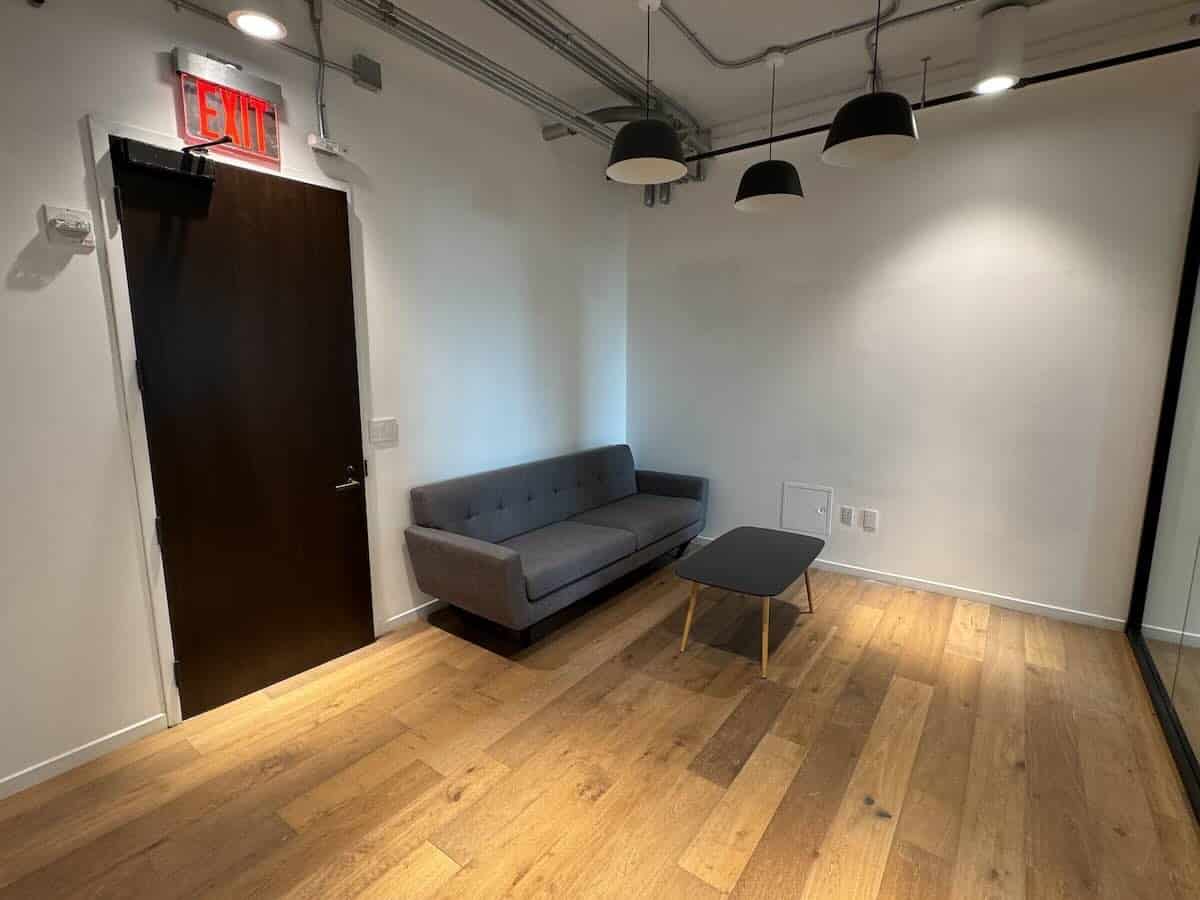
(846, 516)
(870, 520)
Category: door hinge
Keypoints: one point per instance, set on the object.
(117, 204)
(139, 372)
(175, 668)
(158, 534)
(366, 472)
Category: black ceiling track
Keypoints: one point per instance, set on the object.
(1069, 72)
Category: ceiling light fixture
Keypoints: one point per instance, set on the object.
(257, 24)
(772, 183)
(1001, 52)
(648, 150)
(874, 128)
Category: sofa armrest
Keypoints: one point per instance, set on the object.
(666, 484)
(483, 578)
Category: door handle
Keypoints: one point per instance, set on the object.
(350, 483)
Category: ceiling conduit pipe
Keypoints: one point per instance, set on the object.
(564, 37)
(425, 37)
(607, 116)
(950, 6)
(756, 58)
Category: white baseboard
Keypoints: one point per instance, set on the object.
(417, 612)
(1171, 635)
(951, 590)
(38, 772)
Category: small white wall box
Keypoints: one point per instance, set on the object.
(384, 432)
(69, 227)
(806, 508)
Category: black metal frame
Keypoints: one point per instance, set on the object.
(1069, 72)
(1173, 730)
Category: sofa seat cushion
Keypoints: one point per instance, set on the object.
(567, 551)
(649, 517)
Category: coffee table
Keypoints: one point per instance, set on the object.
(755, 562)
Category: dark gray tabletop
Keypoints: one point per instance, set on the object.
(761, 562)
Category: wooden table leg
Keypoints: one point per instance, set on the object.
(687, 623)
(808, 590)
(766, 632)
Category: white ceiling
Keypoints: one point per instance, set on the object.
(732, 101)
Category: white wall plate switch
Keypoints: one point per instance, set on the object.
(384, 432)
(846, 516)
(870, 520)
(69, 227)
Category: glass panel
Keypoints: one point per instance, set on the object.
(1173, 573)
(1186, 692)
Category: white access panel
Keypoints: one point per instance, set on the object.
(806, 508)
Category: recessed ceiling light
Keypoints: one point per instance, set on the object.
(257, 25)
(995, 84)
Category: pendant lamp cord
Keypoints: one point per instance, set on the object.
(771, 128)
(649, 13)
(875, 52)
(924, 80)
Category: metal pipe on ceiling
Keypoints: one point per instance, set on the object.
(425, 37)
(744, 62)
(608, 115)
(564, 37)
(441, 46)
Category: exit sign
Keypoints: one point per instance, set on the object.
(213, 111)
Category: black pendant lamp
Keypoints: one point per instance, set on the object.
(773, 183)
(647, 151)
(875, 128)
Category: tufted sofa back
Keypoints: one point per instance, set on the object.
(495, 506)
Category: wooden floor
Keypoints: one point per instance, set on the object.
(906, 745)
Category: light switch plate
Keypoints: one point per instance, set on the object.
(870, 520)
(846, 516)
(384, 432)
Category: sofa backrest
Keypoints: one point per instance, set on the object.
(495, 506)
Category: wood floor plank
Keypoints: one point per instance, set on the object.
(389, 843)
(721, 850)
(932, 816)
(968, 629)
(577, 767)
(1131, 862)
(990, 862)
(420, 875)
(1062, 855)
(506, 854)
(279, 871)
(791, 844)
(723, 757)
(925, 643)
(915, 874)
(1002, 679)
(854, 855)
(1044, 646)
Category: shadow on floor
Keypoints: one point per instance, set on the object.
(733, 623)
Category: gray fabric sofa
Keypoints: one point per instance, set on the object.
(517, 545)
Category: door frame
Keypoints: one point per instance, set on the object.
(110, 249)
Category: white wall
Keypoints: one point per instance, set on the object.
(491, 268)
(972, 341)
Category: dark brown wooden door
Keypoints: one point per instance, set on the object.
(244, 325)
